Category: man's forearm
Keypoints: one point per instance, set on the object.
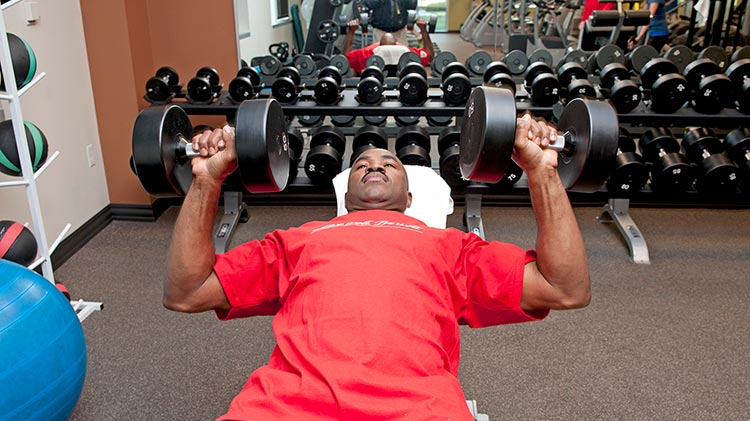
(191, 254)
(348, 41)
(427, 44)
(561, 255)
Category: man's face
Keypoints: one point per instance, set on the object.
(377, 181)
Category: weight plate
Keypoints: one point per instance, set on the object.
(487, 139)
(453, 68)
(612, 73)
(369, 90)
(571, 71)
(609, 54)
(517, 62)
(629, 175)
(573, 55)
(713, 94)
(535, 70)
(412, 89)
(545, 90)
(641, 55)
(494, 68)
(269, 65)
(328, 31)
(322, 164)
(593, 128)
(156, 140)
(654, 69)
(581, 88)
(625, 96)
(262, 146)
(373, 71)
(478, 61)
(290, 72)
(330, 72)
(410, 68)
(456, 89)
(511, 176)
(305, 65)
(199, 90)
(375, 60)
(739, 71)
(742, 53)
(680, 55)
(669, 93)
(717, 54)
(698, 69)
(408, 57)
(441, 60)
(439, 120)
(309, 120)
(240, 89)
(541, 55)
(210, 74)
(284, 90)
(251, 74)
(341, 63)
(374, 137)
(502, 80)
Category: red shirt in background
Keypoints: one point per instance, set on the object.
(357, 58)
(367, 311)
(592, 5)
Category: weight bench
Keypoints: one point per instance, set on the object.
(611, 27)
(431, 203)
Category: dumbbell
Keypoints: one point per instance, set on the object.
(542, 86)
(517, 62)
(368, 137)
(622, 92)
(163, 85)
(739, 73)
(375, 120)
(305, 65)
(605, 55)
(573, 55)
(716, 54)
(327, 88)
(456, 85)
(737, 145)
(439, 120)
(668, 89)
(296, 144)
(370, 86)
(497, 75)
(412, 85)
(630, 174)
(680, 55)
(204, 87)
(412, 20)
(413, 146)
(323, 162)
(741, 53)
(449, 141)
(343, 120)
(242, 87)
(477, 62)
(309, 120)
(574, 77)
(586, 149)
(162, 148)
(541, 55)
(406, 58)
(670, 170)
(640, 55)
(342, 63)
(712, 89)
(716, 172)
(441, 60)
(377, 61)
(284, 87)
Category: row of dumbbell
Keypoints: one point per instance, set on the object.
(701, 160)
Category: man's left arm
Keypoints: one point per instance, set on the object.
(426, 41)
(559, 278)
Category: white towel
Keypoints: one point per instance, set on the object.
(390, 53)
(431, 200)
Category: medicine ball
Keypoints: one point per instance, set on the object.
(9, 162)
(17, 243)
(42, 348)
(24, 61)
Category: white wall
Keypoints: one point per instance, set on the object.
(62, 106)
(254, 16)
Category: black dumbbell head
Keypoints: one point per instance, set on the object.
(494, 68)
(373, 71)
(413, 146)
(249, 73)
(368, 137)
(412, 68)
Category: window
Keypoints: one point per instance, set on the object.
(279, 12)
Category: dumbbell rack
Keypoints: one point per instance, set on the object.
(13, 95)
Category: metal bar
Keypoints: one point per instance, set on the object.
(616, 211)
(233, 208)
(474, 214)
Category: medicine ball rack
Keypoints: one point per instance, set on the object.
(13, 94)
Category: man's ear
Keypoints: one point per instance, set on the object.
(408, 199)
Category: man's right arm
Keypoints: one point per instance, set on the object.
(349, 40)
(191, 284)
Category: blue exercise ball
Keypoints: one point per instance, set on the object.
(42, 348)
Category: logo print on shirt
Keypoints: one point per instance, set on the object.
(371, 223)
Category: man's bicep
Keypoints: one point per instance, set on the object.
(537, 293)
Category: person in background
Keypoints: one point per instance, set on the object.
(390, 16)
(589, 8)
(657, 29)
(388, 47)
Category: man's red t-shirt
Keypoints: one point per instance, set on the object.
(357, 58)
(367, 311)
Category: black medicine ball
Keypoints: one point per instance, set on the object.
(17, 243)
(24, 61)
(9, 162)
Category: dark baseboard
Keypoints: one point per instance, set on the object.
(76, 240)
(146, 213)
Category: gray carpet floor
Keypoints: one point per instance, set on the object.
(664, 341)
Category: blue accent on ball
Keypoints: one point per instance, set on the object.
(42, 348)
